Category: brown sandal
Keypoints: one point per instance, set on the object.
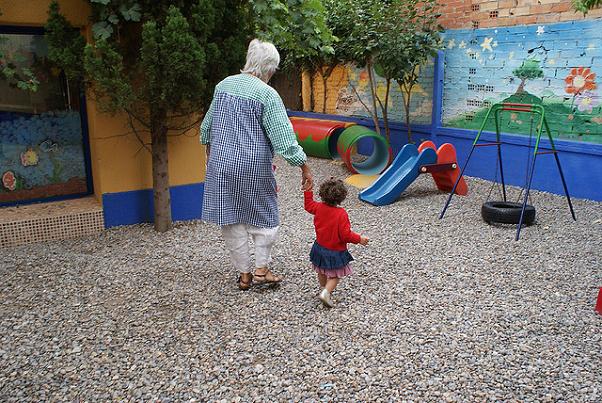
(266, 278)
(244, 281)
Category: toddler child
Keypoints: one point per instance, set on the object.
(329, 255)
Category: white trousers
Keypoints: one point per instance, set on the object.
(236, 237)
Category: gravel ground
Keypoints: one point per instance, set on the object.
(438, 310)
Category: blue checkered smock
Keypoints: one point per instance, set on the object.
(245, 124)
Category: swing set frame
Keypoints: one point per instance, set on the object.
(533, 109)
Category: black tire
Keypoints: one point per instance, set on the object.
(506, 213)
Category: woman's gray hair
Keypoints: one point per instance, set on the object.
(262, 60)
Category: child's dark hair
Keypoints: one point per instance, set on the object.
(333, 192)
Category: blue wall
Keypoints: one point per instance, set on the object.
(126, 208)
(581, 163)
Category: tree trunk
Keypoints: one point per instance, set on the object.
(406, 93)
(407, 107)
(521, 87)
(372, 83)
(161, 196)
(312, 98)
(324, 80)
(386, 112)
(325, 76)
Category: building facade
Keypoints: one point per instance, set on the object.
(56, 144)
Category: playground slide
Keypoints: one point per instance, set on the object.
(402, 172)
(445, 179)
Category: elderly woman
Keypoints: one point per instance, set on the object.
(243, 128)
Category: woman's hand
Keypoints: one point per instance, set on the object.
(364, 240)
(307, 180)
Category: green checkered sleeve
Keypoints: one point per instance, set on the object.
(279, 130)
(206, 125)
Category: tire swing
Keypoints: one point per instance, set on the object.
(504, 211)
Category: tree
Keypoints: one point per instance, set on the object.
(305, 40)
(158, 62)
(392, 39)
(362, 30)
(338, 20)
(528, 70)
(585, 5)
(417, 41)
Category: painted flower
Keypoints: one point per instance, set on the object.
(364, 75)
(29, 158)
(586, 101)
(9, 180)
(579, 80)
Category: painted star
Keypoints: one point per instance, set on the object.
(494, 44)
(451, 44)
(540, 30)
(486, 45)
(462, 45)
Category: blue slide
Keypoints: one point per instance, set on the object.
(403, 171)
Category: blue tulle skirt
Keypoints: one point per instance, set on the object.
(329, 259)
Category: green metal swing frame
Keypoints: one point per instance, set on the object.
(542, 124)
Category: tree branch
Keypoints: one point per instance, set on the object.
(357, 95)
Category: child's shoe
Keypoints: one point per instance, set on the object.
(326, 299)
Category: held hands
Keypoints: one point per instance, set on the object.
(307, 180)
(364, 240)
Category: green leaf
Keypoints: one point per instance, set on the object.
(132, 13)
(103, 2)
(102, 30)
(113, 19)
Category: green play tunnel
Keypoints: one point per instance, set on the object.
(318, 137)
(376, 162)
(335, 139)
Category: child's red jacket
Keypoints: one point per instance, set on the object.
(333, 229)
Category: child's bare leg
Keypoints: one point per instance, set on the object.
(322, 280)
(331, 284)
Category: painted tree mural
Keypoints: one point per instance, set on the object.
(529, 70)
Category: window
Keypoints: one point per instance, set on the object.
(42, 151)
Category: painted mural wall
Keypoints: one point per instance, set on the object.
(556, 65)
(349, 87)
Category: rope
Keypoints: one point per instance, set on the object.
(497, 167)
(518, 200)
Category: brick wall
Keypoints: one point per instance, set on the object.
(461, 14)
